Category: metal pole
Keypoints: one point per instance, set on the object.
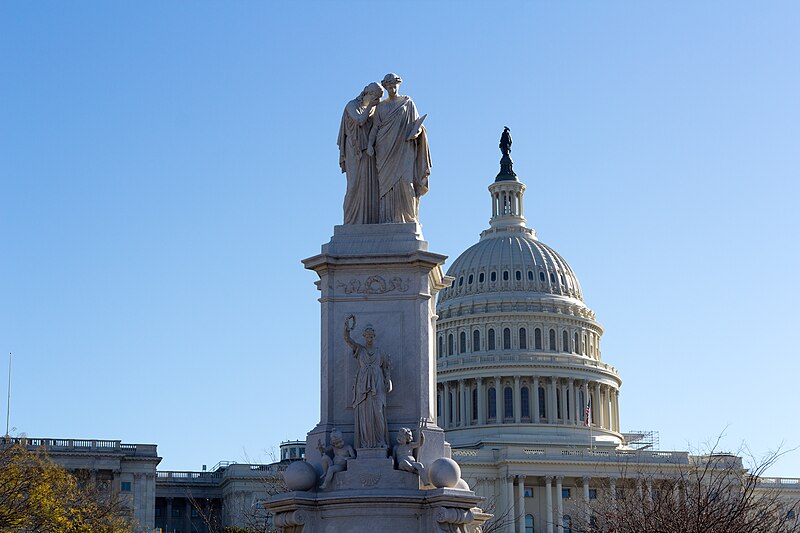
(8, 409)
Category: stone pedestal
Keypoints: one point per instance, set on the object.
(384, 275)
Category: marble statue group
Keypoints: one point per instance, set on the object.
(383, 150)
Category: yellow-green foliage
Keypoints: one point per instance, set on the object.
(36, 495)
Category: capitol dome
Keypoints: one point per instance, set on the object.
(511, 261)
(518, 350)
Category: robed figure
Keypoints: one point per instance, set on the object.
(361, 198)
(402, 155)
(373, 382)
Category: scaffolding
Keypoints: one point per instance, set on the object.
(642, 440)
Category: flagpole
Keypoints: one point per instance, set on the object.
(589, 421)
(8, 408)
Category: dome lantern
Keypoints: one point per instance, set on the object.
(507, 191)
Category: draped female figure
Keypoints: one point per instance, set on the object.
(373, 382)
(361, 197)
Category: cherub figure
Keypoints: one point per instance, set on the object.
(341, 453)
(404, 453)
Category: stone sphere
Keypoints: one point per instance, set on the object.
(444, 472)
(462, 485)
(300, 475)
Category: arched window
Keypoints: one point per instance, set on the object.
(577, 344)
(568, 410)
(553, 340)
(523, 339)
(505, 275)
(552, 278)
(506, 339)
(530, 275)
(518, 275)
(565, 341)
(490, 340)
(475, 403)
(450, 344)
(542, 406)
(462, 342)
(491, 404)
(460, 280)
(559, 414)
(541, 276)
(450, 405)
(525, 401)
(439, 351)
(470, 279)
(567, 522)
(476, 340)
(528, 523)
(508, 403)
(583, 346)
(537, 339)
(481, 277)
(493, 276)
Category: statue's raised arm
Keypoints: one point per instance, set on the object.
(349, 324)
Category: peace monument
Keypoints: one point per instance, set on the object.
(378, 283)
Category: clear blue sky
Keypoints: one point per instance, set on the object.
(164, 166)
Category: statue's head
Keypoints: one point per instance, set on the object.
(404, 436)
(371, 92)
(391, 82)
(337, 439)
(368, 333)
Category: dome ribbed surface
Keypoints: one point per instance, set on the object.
(519, 262)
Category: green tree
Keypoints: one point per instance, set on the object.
(36, 495)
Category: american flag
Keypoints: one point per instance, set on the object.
(588, 416)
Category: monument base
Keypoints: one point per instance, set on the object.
(372, 496)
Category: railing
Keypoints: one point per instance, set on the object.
(514, 453)
(186, 476)
(82, 445)
(783, 482)
(452, 361)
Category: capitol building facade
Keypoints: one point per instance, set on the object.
(528, 404)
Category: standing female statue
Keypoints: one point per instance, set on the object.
(373, 382)
(361, 198)
(400, 144)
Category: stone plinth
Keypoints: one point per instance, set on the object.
(372, 496)
(384, 276)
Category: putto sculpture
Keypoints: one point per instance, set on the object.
(404, 453)
(386, 140)
(336, 463)
(373, 382)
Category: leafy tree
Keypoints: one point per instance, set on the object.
(36, 495)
